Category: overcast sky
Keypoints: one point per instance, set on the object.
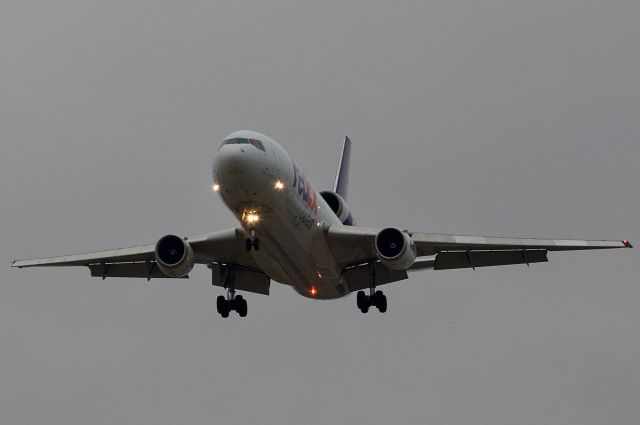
(500, 117)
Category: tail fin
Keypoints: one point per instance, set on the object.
(342, 176)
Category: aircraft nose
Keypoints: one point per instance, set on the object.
(238, 167)
(229, 161)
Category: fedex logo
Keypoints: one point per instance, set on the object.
(304, 189)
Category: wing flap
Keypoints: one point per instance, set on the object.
(360, 277)
(432, 243)
(244, 279)
(472, 259)
(147, 270)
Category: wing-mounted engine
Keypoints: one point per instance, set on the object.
(174, 256)
(339, 207)
(395, 249)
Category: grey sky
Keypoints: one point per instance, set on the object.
(510, 118)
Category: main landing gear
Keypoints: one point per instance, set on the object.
(252, 242)
(231, 302)
(236, 303)
(377, 299)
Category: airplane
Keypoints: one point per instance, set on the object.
(292, 234)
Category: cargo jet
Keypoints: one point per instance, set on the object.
(297, 236)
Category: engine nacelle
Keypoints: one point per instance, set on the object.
(339, 207)
(174, 256)
(395, 249)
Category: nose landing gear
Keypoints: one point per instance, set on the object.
(252, 242)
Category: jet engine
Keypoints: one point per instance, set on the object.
(395, 249)
(174, 256)
(339, 207)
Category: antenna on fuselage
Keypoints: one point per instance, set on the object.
(341, 185)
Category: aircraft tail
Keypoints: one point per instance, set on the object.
(341, 185)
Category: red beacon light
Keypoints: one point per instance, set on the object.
(627, 243)
(314, 291)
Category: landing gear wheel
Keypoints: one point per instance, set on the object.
(237, 304)
(252, 243)
(223, 306)
(381, 301)
(377, 299)
(361, 299)
(240, 305)
(363, 302)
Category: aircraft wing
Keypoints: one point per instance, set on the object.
(353, 245)
(226, 247)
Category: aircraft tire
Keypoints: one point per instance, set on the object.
(222, 306)
(381, 303)
(241, 306)
(362, 301)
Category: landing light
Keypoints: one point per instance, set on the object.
(279, 185)
(251, 217)
(216, 187)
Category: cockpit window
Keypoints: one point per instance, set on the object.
(242, 141)
(258, 144)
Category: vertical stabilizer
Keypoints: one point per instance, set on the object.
(341, 185)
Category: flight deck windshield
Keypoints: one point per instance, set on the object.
(242, 141)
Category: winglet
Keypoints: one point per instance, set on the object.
(627, 243)
(341, 185)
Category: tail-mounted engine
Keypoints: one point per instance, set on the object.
(339, 207)
(174, 256)
(395, 249)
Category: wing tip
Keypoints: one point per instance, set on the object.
(627, 244)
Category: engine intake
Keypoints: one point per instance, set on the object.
(395, 249)
(339, 207)
(174, 256)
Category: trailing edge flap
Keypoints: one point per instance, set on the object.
(245, 279)
(470, 259)
(147, 270)
(359, 277)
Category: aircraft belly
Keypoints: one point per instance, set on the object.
(295, 252)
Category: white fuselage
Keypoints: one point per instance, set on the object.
(269, 194)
